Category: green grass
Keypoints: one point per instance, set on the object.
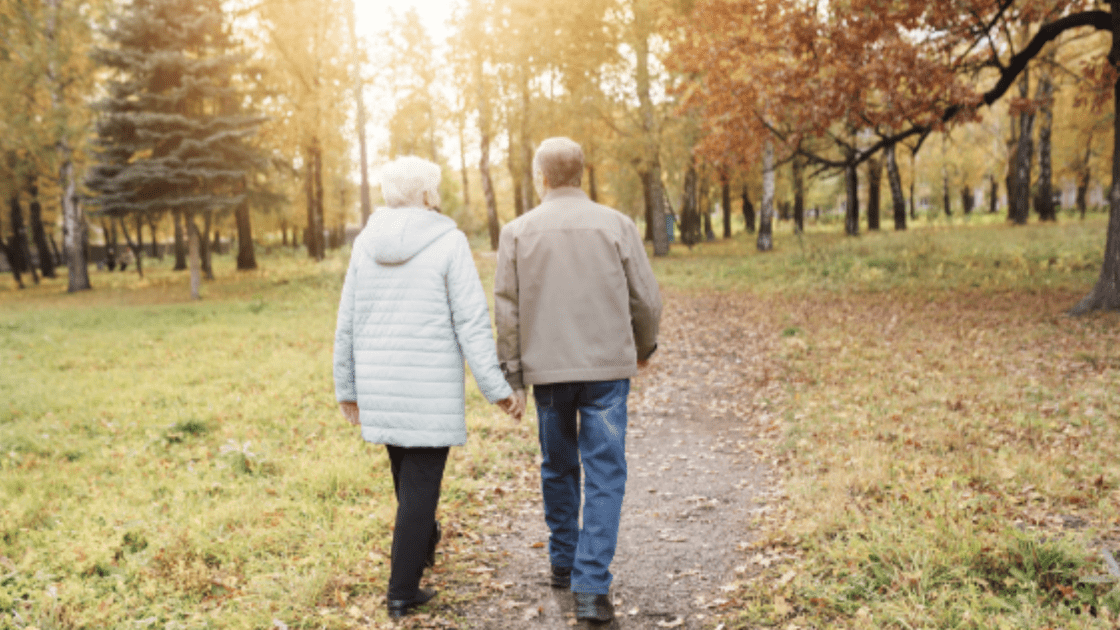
(173, 464)
(185, 463)
(924, 259)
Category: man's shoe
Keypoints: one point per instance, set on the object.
(437, 535)
(593, 607)
(400, 607)
(561, 577)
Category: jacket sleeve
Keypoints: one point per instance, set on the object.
(471, 318)
(506, 311)
(645, 297)
(345, 388)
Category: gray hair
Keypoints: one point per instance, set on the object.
(560, 161)
(410, 181)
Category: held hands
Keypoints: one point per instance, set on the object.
(349, 410)
(514, 406)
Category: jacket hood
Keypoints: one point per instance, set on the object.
(398, 234)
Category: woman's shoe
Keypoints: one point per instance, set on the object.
(400, 607)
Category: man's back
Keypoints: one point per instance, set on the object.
(575, 298)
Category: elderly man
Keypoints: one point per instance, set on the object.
(577, 309)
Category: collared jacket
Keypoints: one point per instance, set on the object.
(412, 309)
(575, 298)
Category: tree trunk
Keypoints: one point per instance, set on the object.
(644, 29)
(18, 241)
(317, 235)
(359, 96)
(946, 202)
(1083, 192)
(514, 171)
(77, 235)
(526, 146)
(109, 234)
(157, 251)
(483, 106)
(180, 245)
(690, 213)
(592, 186)
(488, 188)
(309, 193)
(913, 205)
(134, 247)
(1106, 294)
(874, 183)
(725, 203)
(35, 216)
(851, 210)
(1044, 203)
(246, 253)
(313, 188)
(58, 260)
(993, 190)
(897, 200)
(194, 256)
(10, 256)
(204, 246)
(467, 213)
(647, 199)
(74, 225)
(798, 195)
(705, 206)
(748, 210)
(765, 224)
(967, 199)
(1023, 157)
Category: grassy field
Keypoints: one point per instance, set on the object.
(183, 465)
(949, 455)
(951, 438)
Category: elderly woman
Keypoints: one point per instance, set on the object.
(412, 310)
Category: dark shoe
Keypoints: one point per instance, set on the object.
(561, 577)
(400, 607)
(592, 607)
(437, 535)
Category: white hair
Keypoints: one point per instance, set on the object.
(410, 181)
(560, 161)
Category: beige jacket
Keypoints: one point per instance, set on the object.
(574, 295)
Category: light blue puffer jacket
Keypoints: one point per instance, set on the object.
(412, 309)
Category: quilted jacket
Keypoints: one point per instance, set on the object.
(412, 309)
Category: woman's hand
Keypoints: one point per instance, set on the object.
(350, 412)
(514, 405)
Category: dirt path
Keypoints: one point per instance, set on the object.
(695, 467)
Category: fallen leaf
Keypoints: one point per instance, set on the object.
(781, 606)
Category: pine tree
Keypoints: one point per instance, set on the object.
(171, 135)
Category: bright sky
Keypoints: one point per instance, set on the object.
(373, 21)
(373, 16)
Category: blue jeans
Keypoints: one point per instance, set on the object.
(599, 439)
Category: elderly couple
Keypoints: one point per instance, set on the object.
(577, 310)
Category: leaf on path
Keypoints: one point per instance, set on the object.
(781, 606)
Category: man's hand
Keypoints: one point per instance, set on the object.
(350, 412)
(514, 405)
(643, 364)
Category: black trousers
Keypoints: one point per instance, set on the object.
(417, 474)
